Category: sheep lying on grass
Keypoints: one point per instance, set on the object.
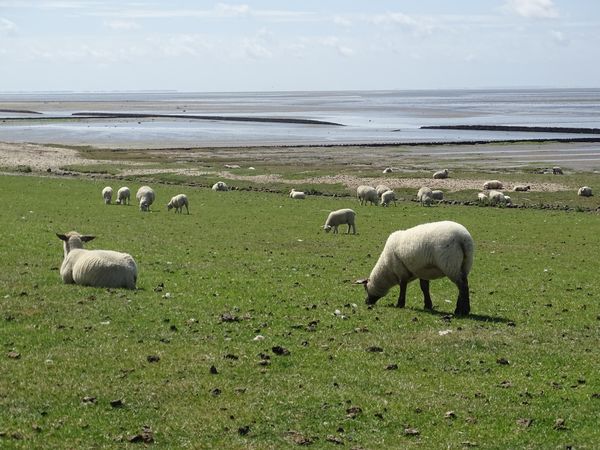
(367, 194)
(427, 252)
(123, 196)
(220, 186)
(298, 195)
(178, 202)
(585, 191)
(496, 198)
(387, 170)
(145, 197)
(425, 196)
(441, 174)
(482, 198)
(493, 184)
(107, 193)
(99, 268)
(521, 188)
(388, 197)
(340, 217)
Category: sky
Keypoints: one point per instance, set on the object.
(277, 45)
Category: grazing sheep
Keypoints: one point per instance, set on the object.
(441, 174)
(340, 217)
(424, 196)
(585, 191)
(388, 197)
(107, 194)
(387, 170)
(521, 188)
(123, 196)
(427, 252)
(145, 197)
(178, 202)
(496, 198)
(493, 184)
(482, 198)
(220, 186)
(437, 195)
(367, 194)
(557, 170)
(299, 195)
(381, 188)
(99, 268)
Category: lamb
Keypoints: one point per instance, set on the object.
(298, 195)
(340, 217)
(220, 186)
(441, 174)
(521, 188)
(367, 194)
(381, 188)
(493, 184)
(178, 202)
(425, 196)
(123, 196)
(496, 198)
(427, 252)
(585, 191)
(437, 195)
(388, 197)
(107, 194)
(98, 268)
(145, 197)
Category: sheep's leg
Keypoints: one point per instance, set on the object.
(402, 296)
(463, 305)
(426, 295)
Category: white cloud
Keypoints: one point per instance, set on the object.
(122, 25)
(535, 9)
(7, 27)
(342, 21)
(226, 10)
(559, 37)
(416, 24)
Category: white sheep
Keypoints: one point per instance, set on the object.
(367, 194)
(482, 198)
(585, 191)
(123, 196)
(441, 174)
(220, 186)
(298, 195)
(493, 184)
(521, 188)
(387, 170)
(437, 195)
(507, 200)
(388, 197)
(178, 202)
(496, 198)
(145, 197)
(381, 188)
(424, 196)
(427, 252)
(107, 193)
(99, 268)
(340, 217)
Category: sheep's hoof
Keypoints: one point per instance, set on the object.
(461, 312)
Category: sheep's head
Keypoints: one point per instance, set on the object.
(73, 239)
(144, 205)
(327, 228)
(370, 299)
(169, 206)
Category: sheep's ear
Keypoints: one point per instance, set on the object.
(87, 238)
(363, 281)
(62, 237)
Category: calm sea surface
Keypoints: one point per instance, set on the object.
(367, 116)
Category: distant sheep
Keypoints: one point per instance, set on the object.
(99, 268)
(496, 198)
(178, 202)
(145, 197)
(482, 198)
(557, 170)
(367, 194)
(388, 197)
(585, 191)
(441, 174)
(220, 186)
(427, 252)
(437, 195)
(340, 217)
(521, 188)
(493, 184)
(107, 193)
(387, 170)
(298, 195)
(381, 188)
(424, 196)
(123, 196)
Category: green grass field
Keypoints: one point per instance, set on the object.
(87, 367)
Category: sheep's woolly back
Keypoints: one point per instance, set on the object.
(387, 197)
(123, 195)
(428, 251)
(107, 193)
(340, 217)
(381, 188)
(145, 197)
(367, 194)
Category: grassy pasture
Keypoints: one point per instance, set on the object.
(248, 264)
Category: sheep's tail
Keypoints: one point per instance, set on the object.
(467, 246)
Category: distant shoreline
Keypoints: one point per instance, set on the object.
(518, 128)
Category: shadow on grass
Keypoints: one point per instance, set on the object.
(471, 316)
